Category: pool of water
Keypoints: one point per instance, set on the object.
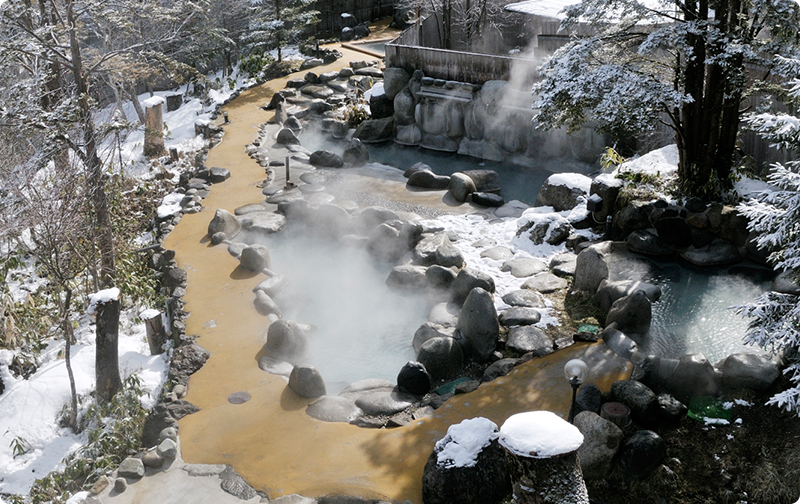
(377, 47)
(518, 182)
(362, 329)
(694, 313)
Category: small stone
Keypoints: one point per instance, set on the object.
(167, 449)
(168, 433)
(152, 459)
(120, 485)
(100, 485)
(131, 468)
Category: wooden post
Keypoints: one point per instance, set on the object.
(153, 127)
(542, 451)
(106, 363)
(156, 335)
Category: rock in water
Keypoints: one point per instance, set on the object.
(477, 322)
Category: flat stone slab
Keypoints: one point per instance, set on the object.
(263, 222)
(524, 297)
(522, 267)
(131, 468)
(498, 253)
(714, 254)
(367, 385)
(253, 207)
(545, 283)
(317, 91)
(334, 409)
(519, 316)
(384, 402)
(201, 470)
(564, 264)
(529, 339)
(311, 188)
(284, 197)
(313, 178)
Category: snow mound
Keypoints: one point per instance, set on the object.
(571, 180)
(153, 101)
(170, 205)
(539, 434)
(102, 297)
(464, 441)
(663, 161)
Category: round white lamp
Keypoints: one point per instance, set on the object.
(576, 372)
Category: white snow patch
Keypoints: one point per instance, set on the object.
(539, 434)
(464, 442)
(170, 205)
(102, 297)
(715, 421)
(749, 188)
(742, 402)
(377, 90)
(571, 180)
(153, 101)
(663, 161)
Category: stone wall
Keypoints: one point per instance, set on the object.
(492, 121)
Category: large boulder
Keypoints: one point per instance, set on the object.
(426, 179)
(529, 339)
(263, 223)
(519, 316)
(265, 305)
(716, 253)
(380, 105)
(466, 280)
(601, 440)
(325, 159)
(485, 180)
(639, 398)
(609, 260)
(286, 341)
(562, 190)
(609, 292)
(334, 409)
(477, 322)
(442, 357)
(224, 222)
(414, 378)
(287, 137)
(632, 314)
(404, 106)
(641, 454)
(461, 186)
(254, 258)
(467, 466)
(408, 277)
(522, 267)
(375, 130)
(607, 186)
(747, 370)
(394, 80)
(306, 381)
(355, 154)
(430, 330)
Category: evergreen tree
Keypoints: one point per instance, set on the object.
(775, 216)
(685, 64)
(278, 23)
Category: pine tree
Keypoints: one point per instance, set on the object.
(278, 23)
(775, 216)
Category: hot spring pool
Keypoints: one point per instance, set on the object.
(694, 314)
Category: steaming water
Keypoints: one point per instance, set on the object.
(378, 47)
(363, 329)
(694, 315)
(518, 182)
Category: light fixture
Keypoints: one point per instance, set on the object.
(576, 372)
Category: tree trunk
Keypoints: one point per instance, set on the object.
(106, 358)
(69, 337)
(131, 92)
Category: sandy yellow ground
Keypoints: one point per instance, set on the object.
(270, 440)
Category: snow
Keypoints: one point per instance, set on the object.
(102, 297)
(715, 421)
(377, 90)
(31, 408)
(539, 434)
(153, 101)
(170, 205)
(571, 180)
(663, 162)
(464, 442)
(24, 280)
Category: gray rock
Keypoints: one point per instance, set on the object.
(168, 433)
(440, 277)
(442, 357)
(355, 154)
(488, 199)
(716, 253)
(317, 91)
(426, 179)
(524, 339)
(461, 186)
(334, 409)
(272, 286)
(263, 222)
(404, 106)
(235, 485)
(588, 398)
(785, 284)
(608, 187)
(563, 265)
(311, 63)
(642, 241)
(394, 80)
(287, 137)
(251, 208)
(408, 277)
(425, 249)
(445, 314)
(120, 485)
(409, 134)
(293, 123)
(414, 379)
(601, 440)
(632, 314)
(296, 498)
(306, 381)
(384, 402)
(265, 305)
(498, 253)
(641, 454)
(447, 255)
(522, 267)
(381, 106)
(285, 341)
(524, 297)
(224, 222)
(639, 398)
(132, 468)
(152, 459)
(375, 130)
(498, 368)
(361, 387)
(487, 181)
(168, 449)
(631, 217)
(545, 283)
(441, 143)
(612, 261)
(466, 280)
(254, 258)
(204, 470)
(519, 316)
(747, 370)
(430, 330)
(478, 323)
(325, 159)
(560, 196)
(609, 292)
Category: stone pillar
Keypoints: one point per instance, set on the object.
(153, 127)
(542, 451)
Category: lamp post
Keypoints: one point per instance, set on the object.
(576, 372)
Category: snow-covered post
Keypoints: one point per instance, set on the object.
(153, 127)
(542, 450)
(105, 306)
(154, 325)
